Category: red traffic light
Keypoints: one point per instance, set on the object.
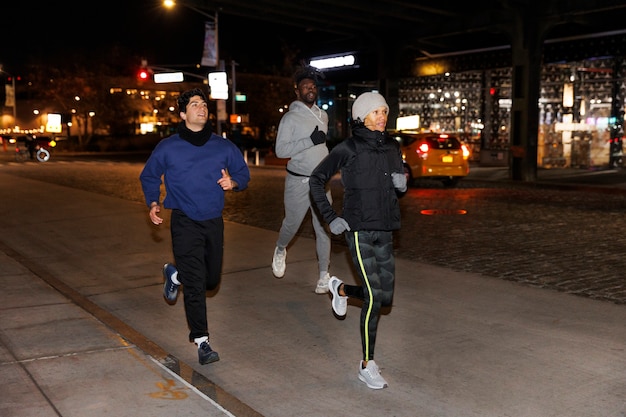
(143, 74)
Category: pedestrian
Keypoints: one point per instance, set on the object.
(31, 145)
(197, 167)
(373, 179)
(301, 137)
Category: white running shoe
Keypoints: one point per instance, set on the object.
(279, 262)
(322, 285)
(371, 375)
(339, 302)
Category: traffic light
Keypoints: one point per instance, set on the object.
(144, 71)
(143, 74)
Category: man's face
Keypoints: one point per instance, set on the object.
(307, 91)
(197, 111)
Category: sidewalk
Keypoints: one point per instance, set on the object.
(85, 331)
(57, 359)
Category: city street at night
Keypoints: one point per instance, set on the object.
(509, 263)
(567, 232)
(509, 301)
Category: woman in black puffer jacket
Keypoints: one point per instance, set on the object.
(371, 169)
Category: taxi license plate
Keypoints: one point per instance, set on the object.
(447, 158)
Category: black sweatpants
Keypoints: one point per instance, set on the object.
(198, 248)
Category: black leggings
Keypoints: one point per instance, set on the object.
(372, 254)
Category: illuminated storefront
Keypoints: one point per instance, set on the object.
(580, 110)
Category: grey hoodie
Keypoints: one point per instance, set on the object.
(294, 141)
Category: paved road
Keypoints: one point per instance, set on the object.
(566, 233)
(453, 344)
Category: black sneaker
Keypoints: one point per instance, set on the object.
(206, 354)
(170, 290)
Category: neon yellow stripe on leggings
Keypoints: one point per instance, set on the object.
(369, 292)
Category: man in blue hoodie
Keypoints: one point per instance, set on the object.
(302, 138)
(197, 167)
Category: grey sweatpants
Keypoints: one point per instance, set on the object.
(297, 201)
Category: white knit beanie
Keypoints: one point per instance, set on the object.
(367, 103)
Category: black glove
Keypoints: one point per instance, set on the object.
(318, 136)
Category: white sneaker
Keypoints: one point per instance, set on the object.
(339, 302)
(279, 262)
(322, 285)
(371, 375)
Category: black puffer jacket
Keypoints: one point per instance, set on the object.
(366, 161)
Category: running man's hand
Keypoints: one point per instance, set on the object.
(154, 210)
(318, 136)
(226, 182)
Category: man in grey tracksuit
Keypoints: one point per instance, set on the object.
(302, 138)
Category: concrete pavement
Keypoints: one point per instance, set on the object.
(85, 331)
(58, 358)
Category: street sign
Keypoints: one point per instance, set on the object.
(219, 85)
(169, 77)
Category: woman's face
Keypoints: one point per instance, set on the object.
(377, 119)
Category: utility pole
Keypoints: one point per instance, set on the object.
(232, 66)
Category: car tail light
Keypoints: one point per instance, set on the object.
(422, 150)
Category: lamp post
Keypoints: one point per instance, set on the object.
(218, 64)
(233, 64)
(210, 57)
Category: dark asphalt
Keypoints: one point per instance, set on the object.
(566, 231)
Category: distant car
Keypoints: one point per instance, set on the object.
(34, 146)
(36, 141)
(431, 155)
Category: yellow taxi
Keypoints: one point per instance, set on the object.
(433, 155)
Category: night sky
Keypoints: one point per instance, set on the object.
(51, 31)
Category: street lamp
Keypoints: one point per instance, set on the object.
(170, 4)
(39, 117)
(210, 57)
